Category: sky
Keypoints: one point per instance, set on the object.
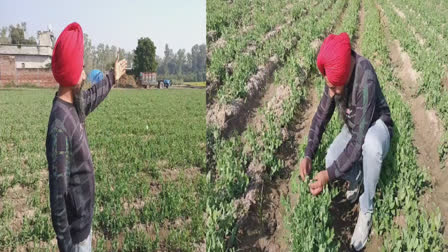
(178, 23)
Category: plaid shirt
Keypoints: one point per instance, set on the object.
(70, 166)
(364, 104)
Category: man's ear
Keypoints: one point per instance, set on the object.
(331, 93)
(82, 77)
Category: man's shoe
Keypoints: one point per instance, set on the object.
(354, 188)
(362, 229)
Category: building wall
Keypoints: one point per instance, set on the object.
(26, 50)
(32, 61)
(37, 77)
(7, 69)
(45, 38)
(34, 76)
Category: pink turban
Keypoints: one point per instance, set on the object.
(334, 59)
(68, 56)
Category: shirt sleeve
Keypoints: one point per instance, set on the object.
(97, 93)
(319, 123)
(365, 107)
(58, 178)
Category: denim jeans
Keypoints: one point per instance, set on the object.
(374, 151)
(84, 246)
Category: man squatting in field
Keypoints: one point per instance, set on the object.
(353, 88)
(70, 166)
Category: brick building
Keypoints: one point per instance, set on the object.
(25, 64)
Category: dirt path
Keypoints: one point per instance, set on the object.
(359, 34)
(340, 19)
(233, 117)
(264, 229)
(428, 128)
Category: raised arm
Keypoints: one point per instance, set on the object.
(95, 95)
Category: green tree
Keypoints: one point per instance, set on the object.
(17, 34)
(3, 35)
(89, 53)
(145, 56)
(30, 41)
(180, 61)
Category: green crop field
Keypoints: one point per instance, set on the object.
(148, 149)
(195, 84)
(263, 91)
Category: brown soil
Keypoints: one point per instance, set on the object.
(399, 12)
(428, 128)
(374, 244)
(340, 19)
(445, 79)
(273, 99)
(38, 246)
(220, 43)
(362, 24)
(344, 215)
(264, 220)
(264, 229)
(211, 90)
(276, 30)
(211, 36)
(161, 232)
(419, 38)
(16, 196)
(261, 217)
(213, 85)
(233, 117)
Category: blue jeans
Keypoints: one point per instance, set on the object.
(374, 151)
(86, 245)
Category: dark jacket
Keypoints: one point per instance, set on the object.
(364, 104)
(70, 166)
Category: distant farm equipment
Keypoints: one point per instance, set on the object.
(164, 83)
(147, 79)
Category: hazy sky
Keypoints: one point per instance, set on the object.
(180, 23)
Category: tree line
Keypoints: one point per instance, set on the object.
(189, 66)
(182, 65)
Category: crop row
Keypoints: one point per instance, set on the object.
(225, 15)
(263, 20)
(429, 60)
(402, 180)
(431, 14)
(234, 76)
(309, 220)
(401, 183)
(260, 145)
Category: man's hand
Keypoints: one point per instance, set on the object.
(305, 167)
(120, 68)
(321, 179)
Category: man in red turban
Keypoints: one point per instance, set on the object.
(70, 166)
(357, 153)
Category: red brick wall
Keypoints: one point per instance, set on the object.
(7, 69)
(38, 77)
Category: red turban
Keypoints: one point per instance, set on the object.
(334, 59)
(68, 56)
